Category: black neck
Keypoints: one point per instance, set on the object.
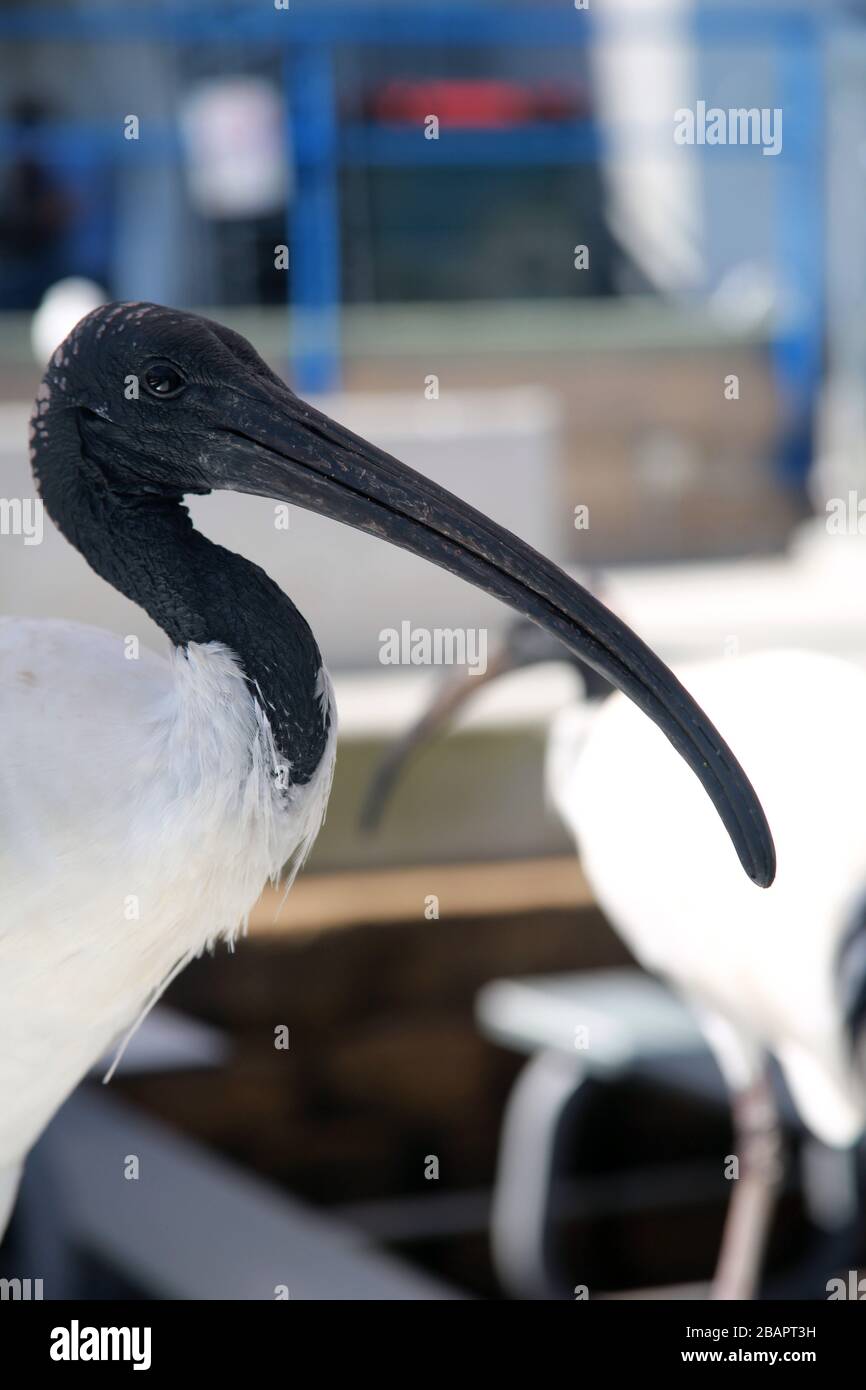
(145, 545)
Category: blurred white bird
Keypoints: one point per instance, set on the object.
(780, 973)
(61, 307)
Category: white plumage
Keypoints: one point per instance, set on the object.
(149, 826)
(762, 968)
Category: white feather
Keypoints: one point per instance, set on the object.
(761, 966)
(139, 821)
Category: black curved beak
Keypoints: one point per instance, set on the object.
(279, 447)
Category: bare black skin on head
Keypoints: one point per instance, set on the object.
(113, 472)
(113, 465)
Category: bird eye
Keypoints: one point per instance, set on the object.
(163, 380)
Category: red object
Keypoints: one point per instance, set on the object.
(473, 104)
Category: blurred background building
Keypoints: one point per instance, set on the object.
(471, 230)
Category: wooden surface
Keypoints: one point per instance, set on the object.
(321, 901)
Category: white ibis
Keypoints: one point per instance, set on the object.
(145, 803)
(780, 973)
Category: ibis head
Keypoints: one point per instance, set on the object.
(141, 405)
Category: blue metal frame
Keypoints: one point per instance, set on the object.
(799, 338)
(313, 217)
(308, 35)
